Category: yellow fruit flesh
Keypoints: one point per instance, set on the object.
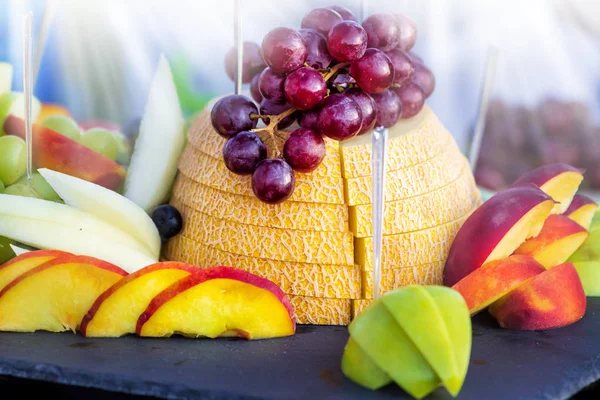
(559, 251)
(428, 274)
(584, 215)
(318, 311)
(13, 271)
(562, 189)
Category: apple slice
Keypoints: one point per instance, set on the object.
(559, 239)
(359, 367)
(553, 299)
(107, 205)
(496, 229)
(582, 210)
(590, 249)
(55, 295)
(57, 152)
(14, 268)
(159, 145)
(13, 103)
(116, 311)
(6, 74)
(219, 301)
(560, 181)
(493, 280)
(589, 273)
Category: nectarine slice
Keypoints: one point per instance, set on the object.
(493, 280)
(559, 239)
(496, 229)
(582, 210)
(55, 295)
(560, 181)
(19, 265)
(552, 299)
(116, 311)
(219, 301)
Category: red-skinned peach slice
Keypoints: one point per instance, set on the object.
(116, 311)
(559, 238)
(55, 295)
(493, 280)
(19, 265)
(496, 229)
(560, 181)
(553, 299)
(219, 301)
(582, 210)
(59, 153)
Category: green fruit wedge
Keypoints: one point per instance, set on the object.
(2, 187)
(357, 366)
(64, 125)
(22, 190)
(590, 249)
(39, 184)
(14, 103)
(457, 319)
(589, 274)
(6, 252)
(378, 334)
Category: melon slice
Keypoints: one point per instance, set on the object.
(159, 145)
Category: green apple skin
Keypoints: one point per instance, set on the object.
(39, 184)
(589, 273)
(2, 187)
(457, 319)
(378, 334)
(418, 316)
(590, 249)
(6, 252)
(358, 367)
(64, 125)
(22, 190)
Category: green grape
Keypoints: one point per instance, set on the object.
(6, 252)
(2, 187)
(64, 125)
(39, 184)
(123, 147)
(23, 190)
(101, 141)
(13, 159)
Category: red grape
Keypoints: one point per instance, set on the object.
(415, 58)
(412, 99)
(321, 19)
(403, 66)
(309, 119)
(347, 41)
(374, 72)
(267, 107)
(231, 115)
(340, 118)
(383, 31)
(304, 150)
(243, 152)
(424, 78)
(273, 181)
(271, 86)
(252, 62)
(367, 108)
(408, 32)
(316, 44)
(284, 50)
(305, 88)
(254, 89)
(344, 13)
(389, 108)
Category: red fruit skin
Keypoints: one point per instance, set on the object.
(383, 30)
(412, 98)
(347, 41)
(404, 68)
(304, 150)
(252, 61)
(382, 71)
(340, 117)
(543, 174)
(579, 201)
(284, 50)
(305, 88)
(321, 20)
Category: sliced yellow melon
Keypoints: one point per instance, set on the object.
(427, 274)
(212, 172)
(358, 306)
(411, 181)
(421, 212)
(250, 210)
(316, 280)
(316, 311)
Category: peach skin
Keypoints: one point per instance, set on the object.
(553, 299)
(19, 265)
(559, 238)
(582, 210)
(496, 229)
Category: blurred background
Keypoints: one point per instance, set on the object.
(545, 99)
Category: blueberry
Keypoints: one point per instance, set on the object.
(168, 221)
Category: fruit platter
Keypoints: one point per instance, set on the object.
(237, 255)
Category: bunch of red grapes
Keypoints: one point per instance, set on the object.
(334, 77)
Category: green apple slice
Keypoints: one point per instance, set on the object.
(590, 249)
(14, 103)
(6, 73)
(416, 313)
(457, 319)
(357, 366)
(378, 334)
(589, 273)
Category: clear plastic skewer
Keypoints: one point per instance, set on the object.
(239, 45)
(379, 141)
(27, 85)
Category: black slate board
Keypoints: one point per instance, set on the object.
(505, 364)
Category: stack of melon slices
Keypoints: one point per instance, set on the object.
(317, 246)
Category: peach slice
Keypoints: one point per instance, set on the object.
(582, 210)
(496, 229)
(25, 262)
(219, 301)
(559, 238)
(553, 299)
(116, 311)
(55, 295)
(493, 280)
(59, 153)
(559, 181)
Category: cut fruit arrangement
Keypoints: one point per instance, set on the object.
(282, 187)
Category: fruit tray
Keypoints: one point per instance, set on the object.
(505, 364)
